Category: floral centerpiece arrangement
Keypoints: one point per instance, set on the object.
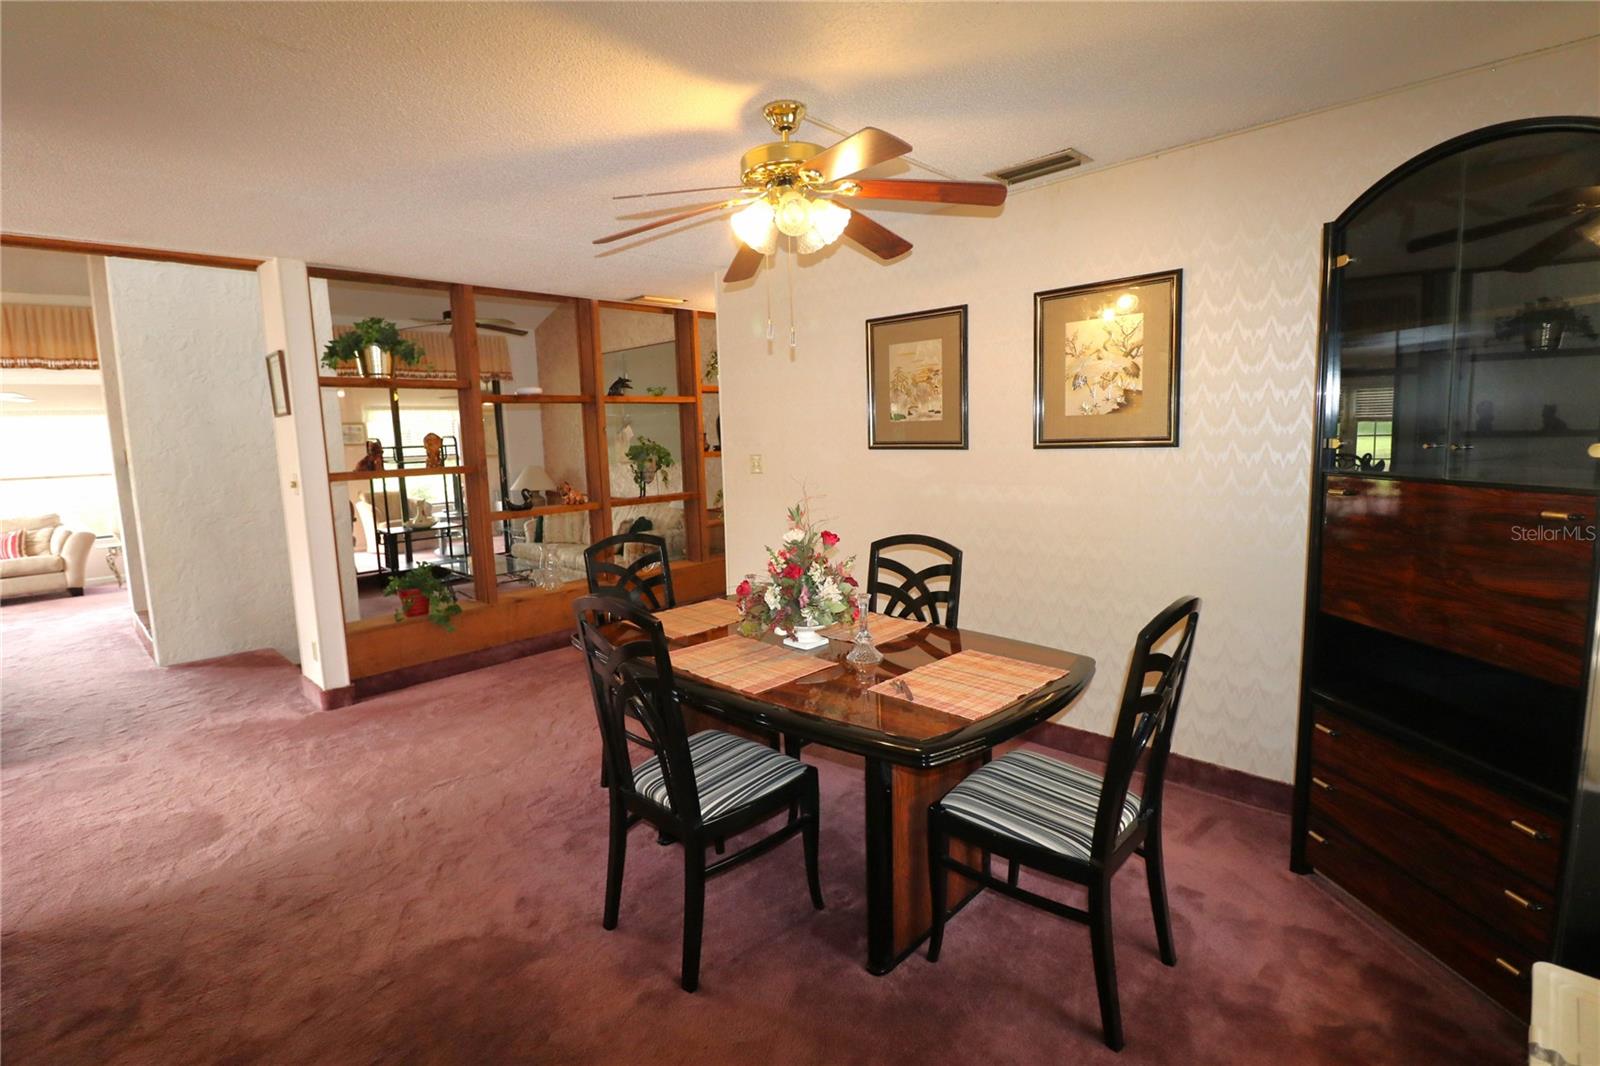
(807, 589)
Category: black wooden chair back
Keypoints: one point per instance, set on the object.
(1145, 722)
(630, 676)
(646, 581)
(932, 594)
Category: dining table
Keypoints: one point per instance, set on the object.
(913, 753)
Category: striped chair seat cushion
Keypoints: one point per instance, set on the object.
(1037, 800)
(731, 772)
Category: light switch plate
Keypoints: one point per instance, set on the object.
(755, 465)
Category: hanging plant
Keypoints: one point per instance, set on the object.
(353, 343)
(648, 458)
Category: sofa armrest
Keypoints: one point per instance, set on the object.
(75, 553)
(58, 539)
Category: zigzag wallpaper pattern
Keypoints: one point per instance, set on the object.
(1079, 548)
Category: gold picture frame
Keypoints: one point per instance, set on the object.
(917, 379)
(278, 384)
(1106, 369)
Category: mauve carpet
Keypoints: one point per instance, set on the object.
(200, 869)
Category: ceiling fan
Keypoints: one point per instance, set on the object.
(498, 325)
(794, 189)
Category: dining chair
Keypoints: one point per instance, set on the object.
(1051, 816)
(911, 593)
(695, 790)
(611, 571)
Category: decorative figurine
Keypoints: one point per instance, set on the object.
(433, 444)
(620, 386)
(373, 460)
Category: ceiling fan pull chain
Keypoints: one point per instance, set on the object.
(769, 304)
(788, 272)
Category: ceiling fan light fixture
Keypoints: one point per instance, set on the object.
(828, 221)
(754, 226)
(793, 214)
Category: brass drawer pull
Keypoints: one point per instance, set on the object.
(1343, 492)
(1507, 967)
(1561, 516)
(1522, 901)
(1318, 837)
(1431, 445)
(1320, 783)
(1324, 729)
(1522, 827)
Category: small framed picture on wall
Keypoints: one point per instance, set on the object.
(355, 433)
(917, 380)
(278, 383)
(1105, 363)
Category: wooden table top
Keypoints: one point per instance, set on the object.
(835, 706)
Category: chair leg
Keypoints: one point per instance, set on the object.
(694, 910)
(1155, 872)
(937, 878)
(615, 857)
(1011, 874)
(1105, 961)
(605, 775)
(808, 834)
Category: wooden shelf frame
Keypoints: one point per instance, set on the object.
(538, 512)
(653, 399)
(508, 398)
(390, 473)
(352, 381)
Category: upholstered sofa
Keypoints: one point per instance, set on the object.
(55, 559)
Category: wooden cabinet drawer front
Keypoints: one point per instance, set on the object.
(1523, 839)
(1459, 941)
(1464, 875)
(1486, 573)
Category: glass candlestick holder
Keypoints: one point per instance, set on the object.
(863, 653)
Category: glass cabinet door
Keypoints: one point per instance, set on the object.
(1394, 327)
(1526, 406)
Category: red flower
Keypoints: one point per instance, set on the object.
(744, 588)
(848, 580)
(829, 539)
(792, 571)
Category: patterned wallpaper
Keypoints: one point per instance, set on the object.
(1079, 548)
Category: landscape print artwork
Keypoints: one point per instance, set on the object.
(1104, 359)
(916, 381)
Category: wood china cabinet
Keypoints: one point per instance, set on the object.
(1448, 772)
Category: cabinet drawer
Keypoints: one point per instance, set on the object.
(1523, 839)
(1498, 575)
(1462, 874)
(1458, 940)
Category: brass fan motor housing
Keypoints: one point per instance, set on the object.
(779, 164)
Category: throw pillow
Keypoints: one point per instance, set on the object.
(11, 544)
(37, 541)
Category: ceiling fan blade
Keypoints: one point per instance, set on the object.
(874, 238)
(720, 205)
(679, 192)
(746, 261)
(513, 330)
(862, 149)
(980, 193)
(1585, 227)
(1491, 229)
(445, 321)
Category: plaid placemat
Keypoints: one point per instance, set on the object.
(745, 665)
(882, 627)
(697, 618)
(970, 684)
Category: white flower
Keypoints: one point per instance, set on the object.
(818, 573)
(794, 536)
(771, 597)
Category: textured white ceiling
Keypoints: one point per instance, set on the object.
(482, 142)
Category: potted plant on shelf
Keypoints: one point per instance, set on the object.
(806, 591)
(422, 593)
(1542, 323)
(648, 458)
(375, 345)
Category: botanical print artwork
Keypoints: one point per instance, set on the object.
(1104, 360)
(916, 381)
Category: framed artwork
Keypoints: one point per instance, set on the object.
(917, 380)
(278, 383)
(1105, 363)
(354, 432)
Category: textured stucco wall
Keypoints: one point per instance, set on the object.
(197, 422)
(1079, 548)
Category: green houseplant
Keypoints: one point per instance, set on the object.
(366, 342)
(648, 458)
(422, 593)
